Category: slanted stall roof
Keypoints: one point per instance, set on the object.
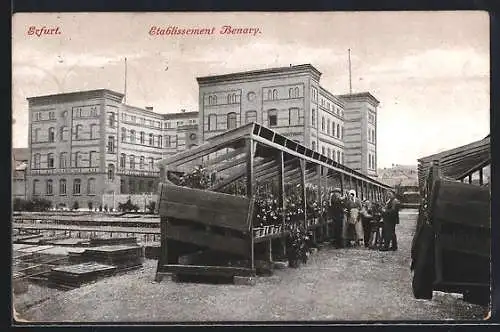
(457, 162)
(271, 140)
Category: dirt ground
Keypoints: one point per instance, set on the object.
(345, 284)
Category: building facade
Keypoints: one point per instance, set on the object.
(291, 101)
(83, 145)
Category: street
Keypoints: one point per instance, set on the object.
(345, 284)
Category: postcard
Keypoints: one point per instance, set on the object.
(190, 167)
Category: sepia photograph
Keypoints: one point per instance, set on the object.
(265, 167)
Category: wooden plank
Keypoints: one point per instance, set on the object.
(232, 219)
(209, 270)
(226, 165)
(474, 213)
(203, 198)
(210, 240)
(223, 157)
(107, 229)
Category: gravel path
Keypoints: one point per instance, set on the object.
(345, 284)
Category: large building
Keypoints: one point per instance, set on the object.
(291, 101)
(86, 144)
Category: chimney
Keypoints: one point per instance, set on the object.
(149, 108)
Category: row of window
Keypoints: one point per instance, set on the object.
(77, 160)
(132, 138)
(371, 161)
(132, 162)
(168, 125)
(78, 133)
(331, 128)
(63, 183)
(371, 136)
(139, 120)
(77, 113)
(251, 116)
(135, 187)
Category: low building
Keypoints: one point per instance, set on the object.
(86, 144)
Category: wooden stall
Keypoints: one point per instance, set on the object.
(249, 187)
(451, 247)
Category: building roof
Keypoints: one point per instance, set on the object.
(360, 96)
(77, 95)
(180, 115)
(303, 68)
(20, 154)
(458, 162)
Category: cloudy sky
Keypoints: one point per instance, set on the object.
(430, 70)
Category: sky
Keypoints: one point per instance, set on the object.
(429, 70)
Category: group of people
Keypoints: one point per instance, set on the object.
(364, 224)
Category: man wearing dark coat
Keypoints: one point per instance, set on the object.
(337, 213)
(390, 216)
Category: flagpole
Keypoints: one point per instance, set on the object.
(350, 78)
(125, 90)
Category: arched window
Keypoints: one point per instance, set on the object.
(369, 136)
(93, 159)
(50, 160)
(36, 135)
(250, 116)
(124, 134)
(151, 140)
(132, 136)
(36, 161)
(160, 141)
(212, 122)
(142, 137)
(111, 120)
(141, 162)
(323, 123)
(329, 153)
(275, 94)
(63, 156)
(62, 187)
(215, 100)
(91, 186)
(111, 144)
(313, 145)
(296, 92)
(36, 187)
(63, 133)
(328, 126)
(313, 117)
(122, 160)
(338, 130)
(373, 136)
(52, 135)
(293, 116)
(272, 117)
(49, 188)
(132, 161)
(338, 156)
(290, 93)
(76, 160)
(111, 171)
(229, 98)
(333, 129)
(231, 120)
(122, 186)
(77, 186)
(167, 141)
(270, 95)
(78, 131)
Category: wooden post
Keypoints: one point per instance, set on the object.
(481, 176)
(320, 200)
(342, 183)
(303, 181)
(350, 182)
(281, 161)
(250, 191)
(470, 178)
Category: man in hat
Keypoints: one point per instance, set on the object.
(337, 213)
(390, 215)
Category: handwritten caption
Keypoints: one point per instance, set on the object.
(43, 31)
(223, 30)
